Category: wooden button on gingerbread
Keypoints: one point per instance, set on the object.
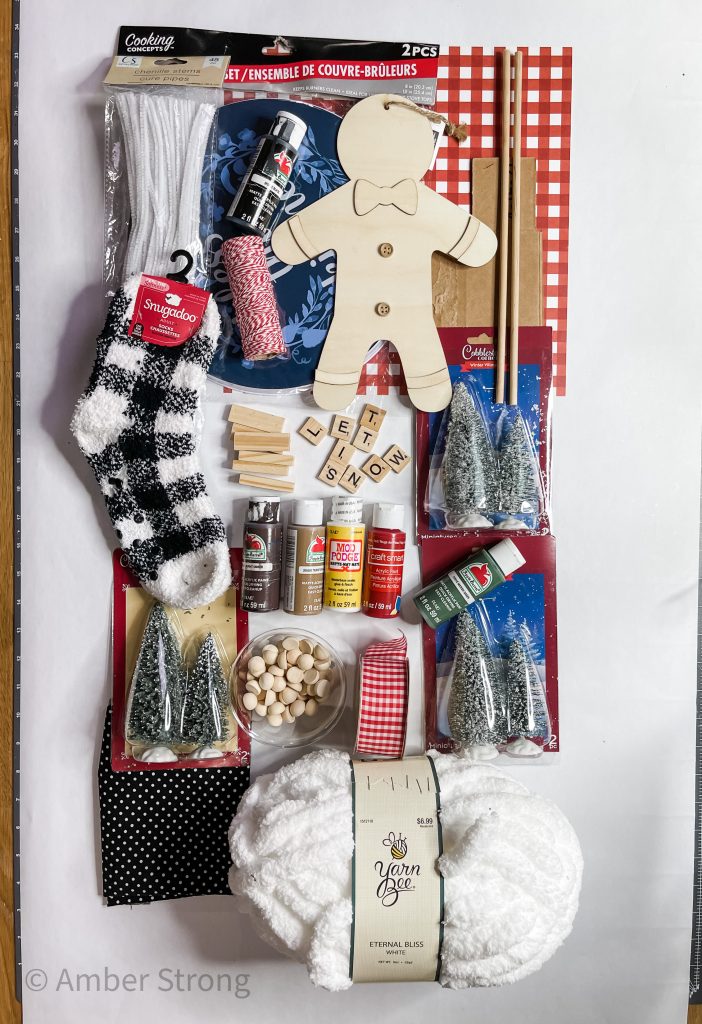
(382, 309)
(385, 249)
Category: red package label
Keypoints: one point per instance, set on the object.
(167, 312)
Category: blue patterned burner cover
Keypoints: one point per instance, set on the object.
(305, 293)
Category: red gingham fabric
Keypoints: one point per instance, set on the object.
(382, 716)
(466, 94)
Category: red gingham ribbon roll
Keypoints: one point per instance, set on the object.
(382, 715)
(255, 307)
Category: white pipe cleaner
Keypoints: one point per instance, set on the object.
(512, 868)
(165, 138)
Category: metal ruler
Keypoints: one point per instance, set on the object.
(696, 950)
(16, 453)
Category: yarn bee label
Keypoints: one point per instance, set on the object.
(167, 312)
(397, 890)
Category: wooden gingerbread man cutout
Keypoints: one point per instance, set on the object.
(384, 225)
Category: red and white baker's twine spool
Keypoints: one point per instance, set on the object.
(382, 715)
(253, 297)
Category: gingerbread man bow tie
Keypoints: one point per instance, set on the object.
(366, 196)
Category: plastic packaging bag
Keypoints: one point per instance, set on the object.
(157, 145)
(484, 471)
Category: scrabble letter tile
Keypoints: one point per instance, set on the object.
(330, 473)
(396, 459)
(372, 417)
(312, 430)
(342, 452)
(342, 427)
(365, 439)
(375, 468)
(351, 479)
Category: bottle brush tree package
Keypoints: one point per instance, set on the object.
(491, 673)
(172, 703)
(483, 465)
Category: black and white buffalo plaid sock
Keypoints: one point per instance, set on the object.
(138, 423)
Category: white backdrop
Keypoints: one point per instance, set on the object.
(626, 510)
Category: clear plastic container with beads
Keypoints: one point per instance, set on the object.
(158, 145)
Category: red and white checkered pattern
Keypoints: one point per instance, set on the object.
(467, 94)
(382, 716)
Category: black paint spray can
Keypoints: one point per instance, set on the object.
(264, 182)
(262, 560)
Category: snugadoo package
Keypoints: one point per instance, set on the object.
(308, 292)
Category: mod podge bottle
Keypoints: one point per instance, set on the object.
(262, 555)
(385, 560)
(343, 569)
(304, 559)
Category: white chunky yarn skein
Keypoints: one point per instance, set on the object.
(512, 867)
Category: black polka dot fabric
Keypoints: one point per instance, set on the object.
(164, 832)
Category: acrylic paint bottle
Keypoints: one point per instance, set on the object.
(264, 183)
(385, 560)
(304, 559)
(471, 579)
(343, 569)
(262, 555)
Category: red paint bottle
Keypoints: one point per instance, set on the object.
(385, 560)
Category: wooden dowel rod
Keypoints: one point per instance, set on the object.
(504, 230)
(516, 230)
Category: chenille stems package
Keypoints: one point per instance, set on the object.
(483, 466)
(491, 673)
(159, 117)
(171, 679)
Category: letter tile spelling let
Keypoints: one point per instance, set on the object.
(312, 430)
(342, 427)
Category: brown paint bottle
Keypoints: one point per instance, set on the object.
(262, 555)
(305, 547)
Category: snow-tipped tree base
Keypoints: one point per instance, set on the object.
(523, 747)
(481, 752)
(156, 755)
(511, 523)
(468, 521)
(206, 754)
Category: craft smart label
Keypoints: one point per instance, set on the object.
(397, 890)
